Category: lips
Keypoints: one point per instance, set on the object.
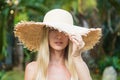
(58, 43)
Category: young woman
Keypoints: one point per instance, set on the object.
(59, 51)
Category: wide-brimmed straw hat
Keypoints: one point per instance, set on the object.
(29, 33)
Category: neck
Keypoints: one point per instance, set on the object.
(57, 57)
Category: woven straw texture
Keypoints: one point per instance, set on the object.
(29, 33)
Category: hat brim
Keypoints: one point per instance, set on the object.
(29, 33)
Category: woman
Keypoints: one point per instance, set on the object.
(60, 47)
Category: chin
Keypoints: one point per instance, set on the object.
(58, 48)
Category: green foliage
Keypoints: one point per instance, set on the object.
(86, 7)
(99, 77)
(20, 17)
(116, 63)
(13, 75)
(108, 14)
(4, 12)
(116, 4)
(109, 61)
(2, 72)
(29, 56)
(110, 22)
(118, 78)
(96, 76)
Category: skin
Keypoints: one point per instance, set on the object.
(57, 69)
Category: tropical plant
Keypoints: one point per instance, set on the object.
(109, 48)
(6, 29)
(95, 13)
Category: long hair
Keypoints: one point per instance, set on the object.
(43, 58)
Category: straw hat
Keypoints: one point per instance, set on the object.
(29, 33)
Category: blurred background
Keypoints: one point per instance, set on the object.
(103, 61)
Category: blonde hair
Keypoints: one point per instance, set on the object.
(44, 55)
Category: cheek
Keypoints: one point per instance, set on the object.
(66, 40)
(50, 39)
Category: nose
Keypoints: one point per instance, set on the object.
(59, 35)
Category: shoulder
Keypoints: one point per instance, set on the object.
(30, 70)
(31, 65)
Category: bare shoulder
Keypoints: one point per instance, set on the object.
(30, 70)
(32, 65)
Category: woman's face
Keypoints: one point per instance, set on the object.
(57, 40)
